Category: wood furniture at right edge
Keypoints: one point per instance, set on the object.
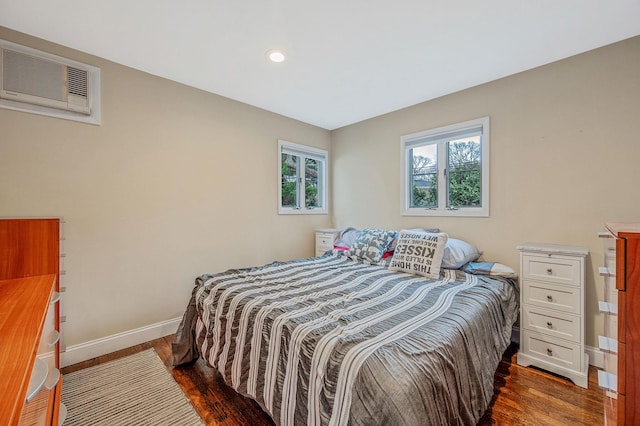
(621, 306)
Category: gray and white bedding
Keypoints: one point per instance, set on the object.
(335, 341)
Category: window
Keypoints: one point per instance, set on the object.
(303, 179)
(445, 171)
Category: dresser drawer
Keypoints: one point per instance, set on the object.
(552, 268)
(554, 351)
(323, 244)
(565, 299)
(325, 240)
(551, 323)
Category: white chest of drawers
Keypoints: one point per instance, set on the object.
(325, 239)
(552, 281)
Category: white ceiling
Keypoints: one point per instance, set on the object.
(348, 60)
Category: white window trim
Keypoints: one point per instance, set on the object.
(313, 153)
(405, 197)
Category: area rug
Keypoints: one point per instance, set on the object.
(134, 390)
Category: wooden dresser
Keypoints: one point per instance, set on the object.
(621, 308)
(30, 322)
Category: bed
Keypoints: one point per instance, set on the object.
(351, 339)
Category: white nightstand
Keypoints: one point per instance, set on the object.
(552, 292)
(325, 239)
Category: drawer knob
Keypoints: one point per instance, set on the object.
(549, 271)
(549, 324)
(549, 352)
(549, 298)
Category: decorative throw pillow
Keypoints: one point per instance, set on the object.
(419, 253)
(371, 244)
(429, 230)
(458, 253)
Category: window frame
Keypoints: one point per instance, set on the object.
(304, 152)
(440, 136)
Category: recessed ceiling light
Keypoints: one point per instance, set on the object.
(276, 56)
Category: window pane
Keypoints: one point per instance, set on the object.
(424, 176)
(303, 179)
(464, 173)
(289, 180)
(312, 179)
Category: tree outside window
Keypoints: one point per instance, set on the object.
(302, 167)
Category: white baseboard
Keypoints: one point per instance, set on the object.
(94, 348)
(596, 356)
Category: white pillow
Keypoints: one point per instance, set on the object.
(419, 253)
(458, 253)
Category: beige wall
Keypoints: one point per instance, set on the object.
(160, 192)
(564, 159)
(175, 182)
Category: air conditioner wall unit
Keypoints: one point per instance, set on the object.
(42, 83)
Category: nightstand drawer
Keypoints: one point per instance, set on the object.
(551, 323)
(552, 268)
(323, 243)
(325, 239)
(554, 351)
(565, 299)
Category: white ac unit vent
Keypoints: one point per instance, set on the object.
(41, 81)
(38, 82)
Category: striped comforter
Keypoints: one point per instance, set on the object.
(331, 341)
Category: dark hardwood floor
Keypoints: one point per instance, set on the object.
(522, 396)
